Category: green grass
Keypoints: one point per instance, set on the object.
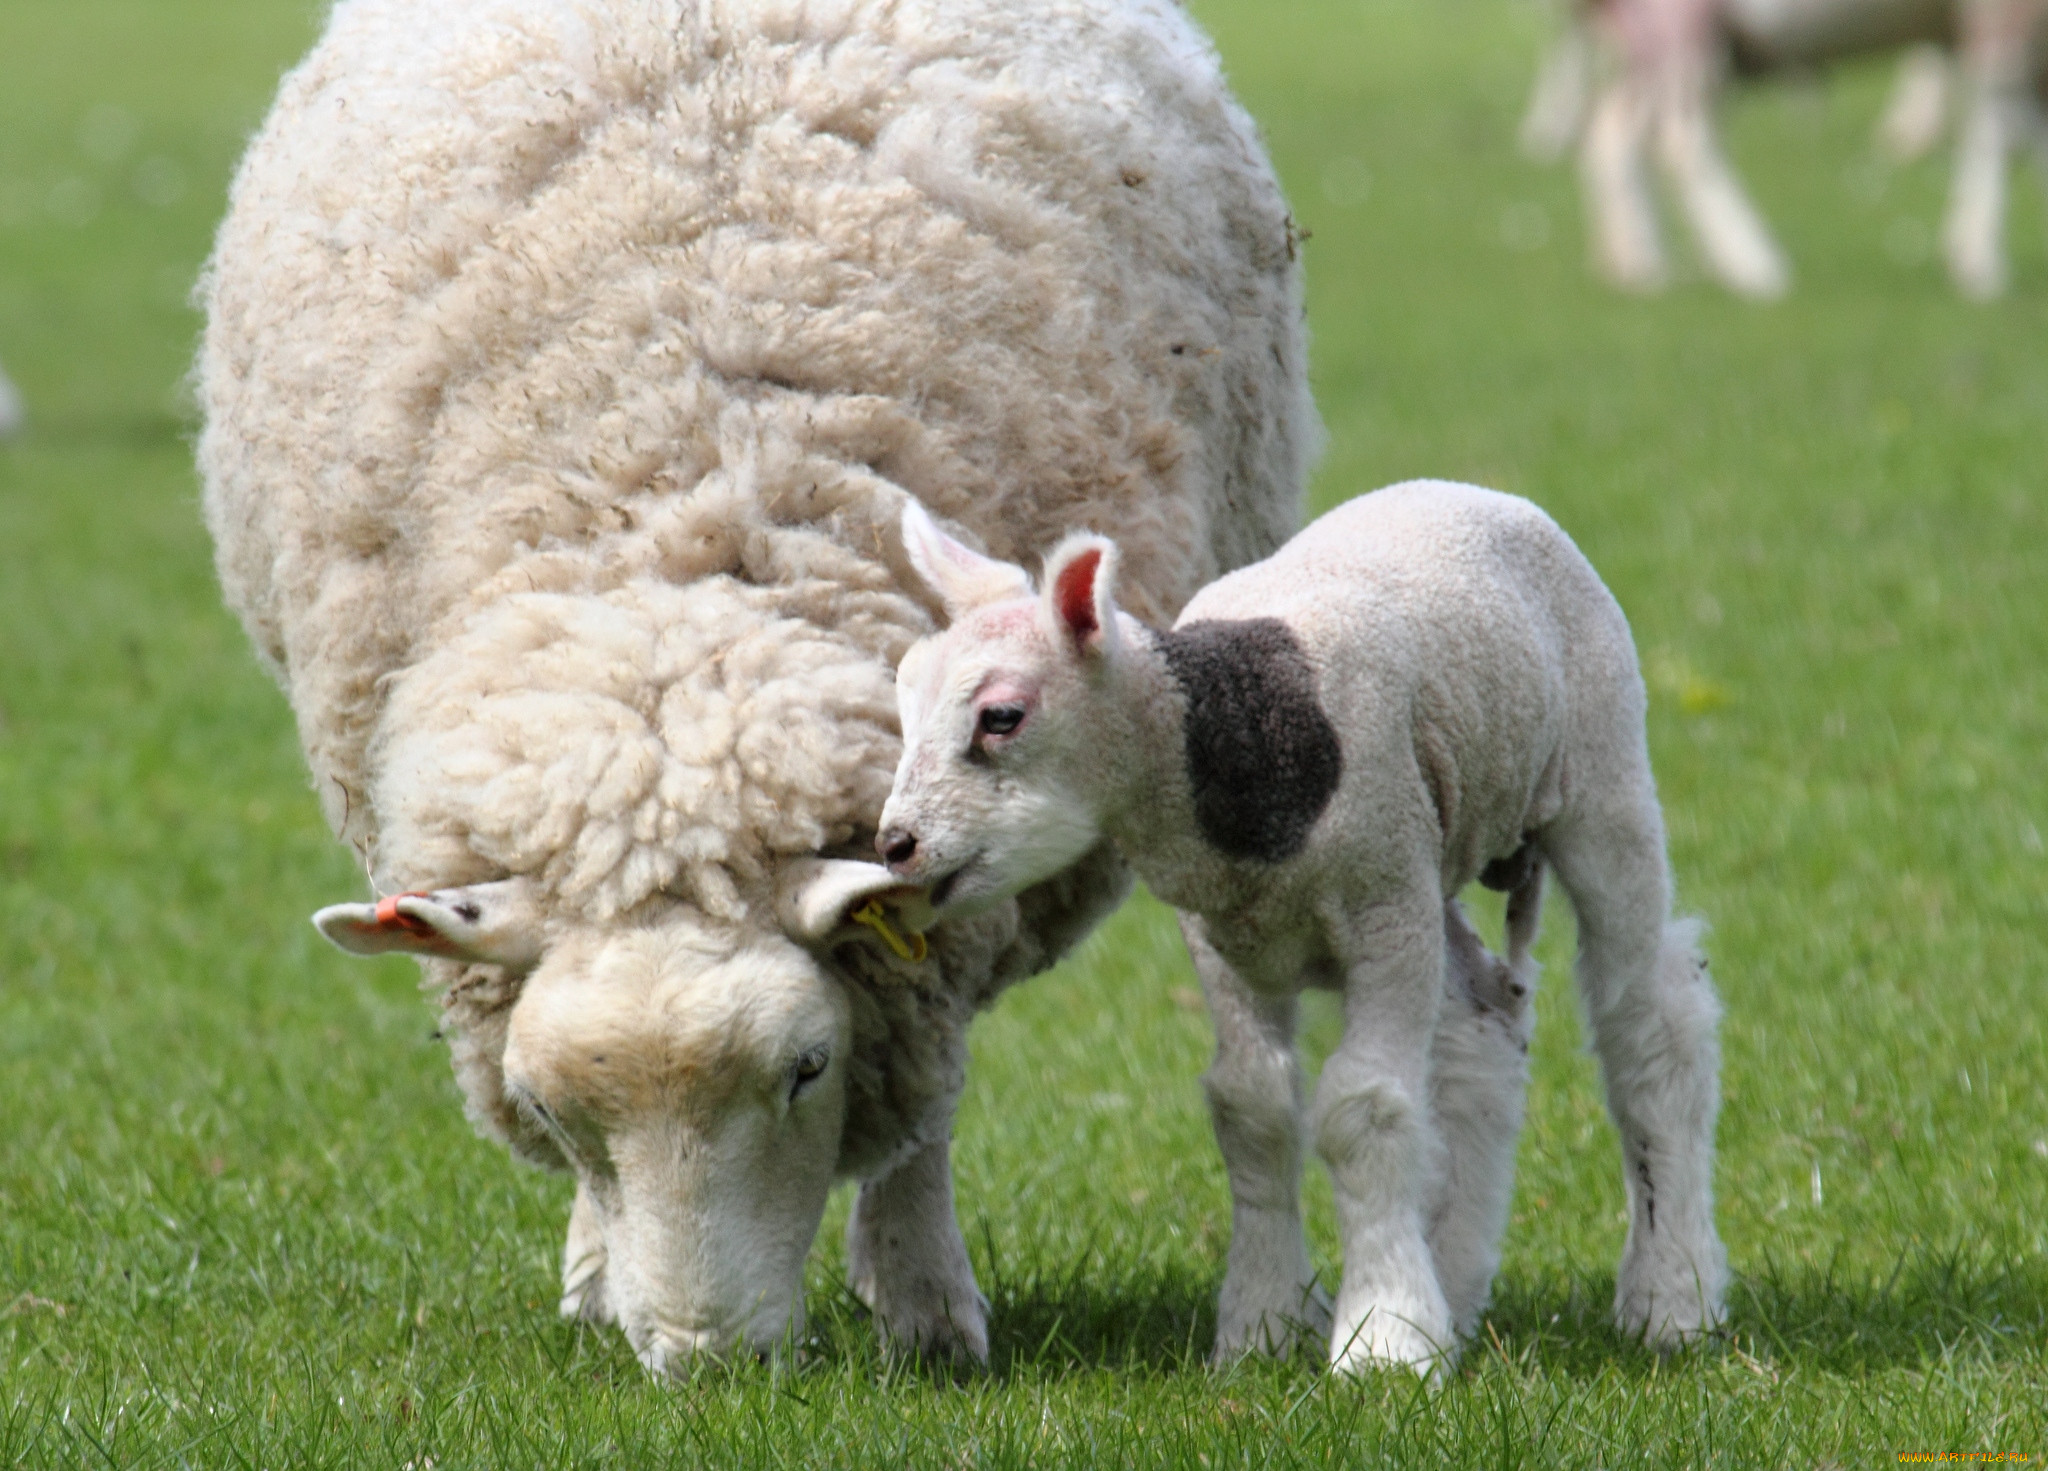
(242, 1222)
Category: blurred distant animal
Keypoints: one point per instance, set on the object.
(11, 412)
(1660, 65)
(1913, 120)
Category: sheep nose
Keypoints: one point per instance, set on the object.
(898, 847)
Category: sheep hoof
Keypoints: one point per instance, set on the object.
(939, 1333)
(1668, 1319)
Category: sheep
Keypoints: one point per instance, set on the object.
(1670, 55)
(568, 365)
(1427, 686)
(1908, 130)
(12, 415)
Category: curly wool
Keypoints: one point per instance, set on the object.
(568, 361)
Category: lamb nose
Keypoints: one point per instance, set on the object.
(898, 847)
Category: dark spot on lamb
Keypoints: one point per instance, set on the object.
(1649, 1190)
(468, 911)
(1505, 875)
(1132, 178)
(1263, 759)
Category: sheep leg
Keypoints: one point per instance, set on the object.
(583, 1262)
(906, 1259)
(1479, 1079)
(1557, 103)
(2039, 136)
(1653, 1015)
(1270, 1293)
(1919, 105)
(1373, 1130)
(1732, 236)
(1627, 248)
(1995, 59)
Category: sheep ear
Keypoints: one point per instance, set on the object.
(1078, 610)
(494, 924)
(818, 898)
(962, 577)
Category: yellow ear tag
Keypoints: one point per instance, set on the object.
(872, 915)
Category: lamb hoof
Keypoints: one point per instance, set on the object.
(1384, 1341)
(1242, 1328)
(1669, 1318)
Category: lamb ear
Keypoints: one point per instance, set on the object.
(494, 924)
(962, 577)
(818, 897)
(1078, 607)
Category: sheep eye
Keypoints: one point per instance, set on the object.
(1000, 720)
(810, 1065)
(543, 1116)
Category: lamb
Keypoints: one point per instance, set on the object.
(1427, 686)
(568, 366)
(1670, 56)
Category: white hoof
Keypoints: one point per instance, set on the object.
(1385, 1340)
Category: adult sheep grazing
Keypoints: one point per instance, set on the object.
(1426, 687)
(568, 366)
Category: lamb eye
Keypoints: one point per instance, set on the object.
(1000, 720)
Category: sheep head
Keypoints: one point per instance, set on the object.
(691, 1073)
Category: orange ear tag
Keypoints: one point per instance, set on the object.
(872, 915)
(388, 916)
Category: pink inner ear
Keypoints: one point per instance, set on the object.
(1075, 593)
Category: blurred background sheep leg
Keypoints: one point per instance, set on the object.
(1621, 214)
(1734, 242)
(1557, 103)
(1918, 110)
(1998, 112)
(11, 414)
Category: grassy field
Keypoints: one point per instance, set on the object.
(242, 1222)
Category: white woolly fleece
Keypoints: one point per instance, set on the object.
(657, 307)
(568, 363)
